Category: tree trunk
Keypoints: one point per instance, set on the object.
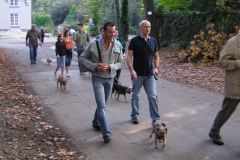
(124, 21)
(116, 13)
(150, 16)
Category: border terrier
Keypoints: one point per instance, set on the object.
(62, 81)
(160, 133)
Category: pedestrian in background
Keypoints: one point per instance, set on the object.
(101, 33)
(118, 72)
(142, 51)
(81, 39)
(230, 61)
(68, 40)
(42, 31)
(103, 73)
(60, 49)
(32, 38)
(60, 29)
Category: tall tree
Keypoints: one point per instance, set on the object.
(124, 21)
(150, 16)
(95, 12)
(117, 14)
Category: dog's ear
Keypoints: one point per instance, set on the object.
(166, 130)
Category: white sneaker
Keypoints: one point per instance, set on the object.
(67, 75)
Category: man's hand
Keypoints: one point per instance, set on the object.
(155, 70)
(133, 74)
(103, 67)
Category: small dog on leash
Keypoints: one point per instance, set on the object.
(120, 89)
(49, 61)
(62, 81)
(160, 133)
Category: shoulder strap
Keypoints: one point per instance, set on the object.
(99, 54)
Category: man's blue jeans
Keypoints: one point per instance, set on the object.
(102, 88)
(33, 53)
(149, 84)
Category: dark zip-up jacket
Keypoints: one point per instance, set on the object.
(60, 48)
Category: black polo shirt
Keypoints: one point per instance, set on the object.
(143, 52)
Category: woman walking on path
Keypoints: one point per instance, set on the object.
(60, 54)
(68, 40)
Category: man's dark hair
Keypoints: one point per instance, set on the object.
(108, 24)
(80, 24)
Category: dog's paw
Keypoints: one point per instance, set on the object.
(163, 147)
(156, 147)
(126, 101)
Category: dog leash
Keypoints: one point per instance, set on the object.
(117, 80)
(45, 53)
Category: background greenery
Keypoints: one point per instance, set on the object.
(173, 21)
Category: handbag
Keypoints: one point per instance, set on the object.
(85, 69)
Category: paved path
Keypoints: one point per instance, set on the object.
(188, 113)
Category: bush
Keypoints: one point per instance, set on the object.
(206, 46)
(41, 20)
(179, 27)
(70, 20)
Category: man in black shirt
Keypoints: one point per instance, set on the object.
(141, 52)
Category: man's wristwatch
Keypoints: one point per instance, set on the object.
(156, 67)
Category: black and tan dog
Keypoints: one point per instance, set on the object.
(62, 81)
(120, 89)
(160, 133)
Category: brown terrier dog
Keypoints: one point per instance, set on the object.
(62, 81)
(160, 133)
(120, 89)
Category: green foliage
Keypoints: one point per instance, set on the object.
(86, 28)
(205, 47)
(203, 5)
(95, 12)
(182, 26)
(175, 5)
(73, 9)
(49, 27)
(41, 20)
(42, 7)
(136, 13)
(234, 4)
(59, 12)
(71, 19)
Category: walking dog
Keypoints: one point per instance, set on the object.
(120, 89)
